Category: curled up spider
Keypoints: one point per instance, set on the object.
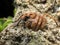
(35, 21)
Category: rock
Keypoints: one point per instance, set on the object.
(16, 34)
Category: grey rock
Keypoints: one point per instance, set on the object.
(16, 34)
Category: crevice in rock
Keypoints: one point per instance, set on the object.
(6, 8)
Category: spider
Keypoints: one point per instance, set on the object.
(35, 21)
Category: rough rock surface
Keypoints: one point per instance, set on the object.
(16, 34)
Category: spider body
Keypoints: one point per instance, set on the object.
(34, 21)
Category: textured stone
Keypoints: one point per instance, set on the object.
(16, 34)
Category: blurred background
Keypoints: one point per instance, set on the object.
(6, 13)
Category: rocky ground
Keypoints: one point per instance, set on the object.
(16, 34)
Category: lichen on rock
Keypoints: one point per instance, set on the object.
(16, 34)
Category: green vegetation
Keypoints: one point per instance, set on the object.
(14, 11)
(4, 22)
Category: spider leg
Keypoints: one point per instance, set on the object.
(39, 23)
(51, 18)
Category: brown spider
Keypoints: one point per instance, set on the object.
(34, 20)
